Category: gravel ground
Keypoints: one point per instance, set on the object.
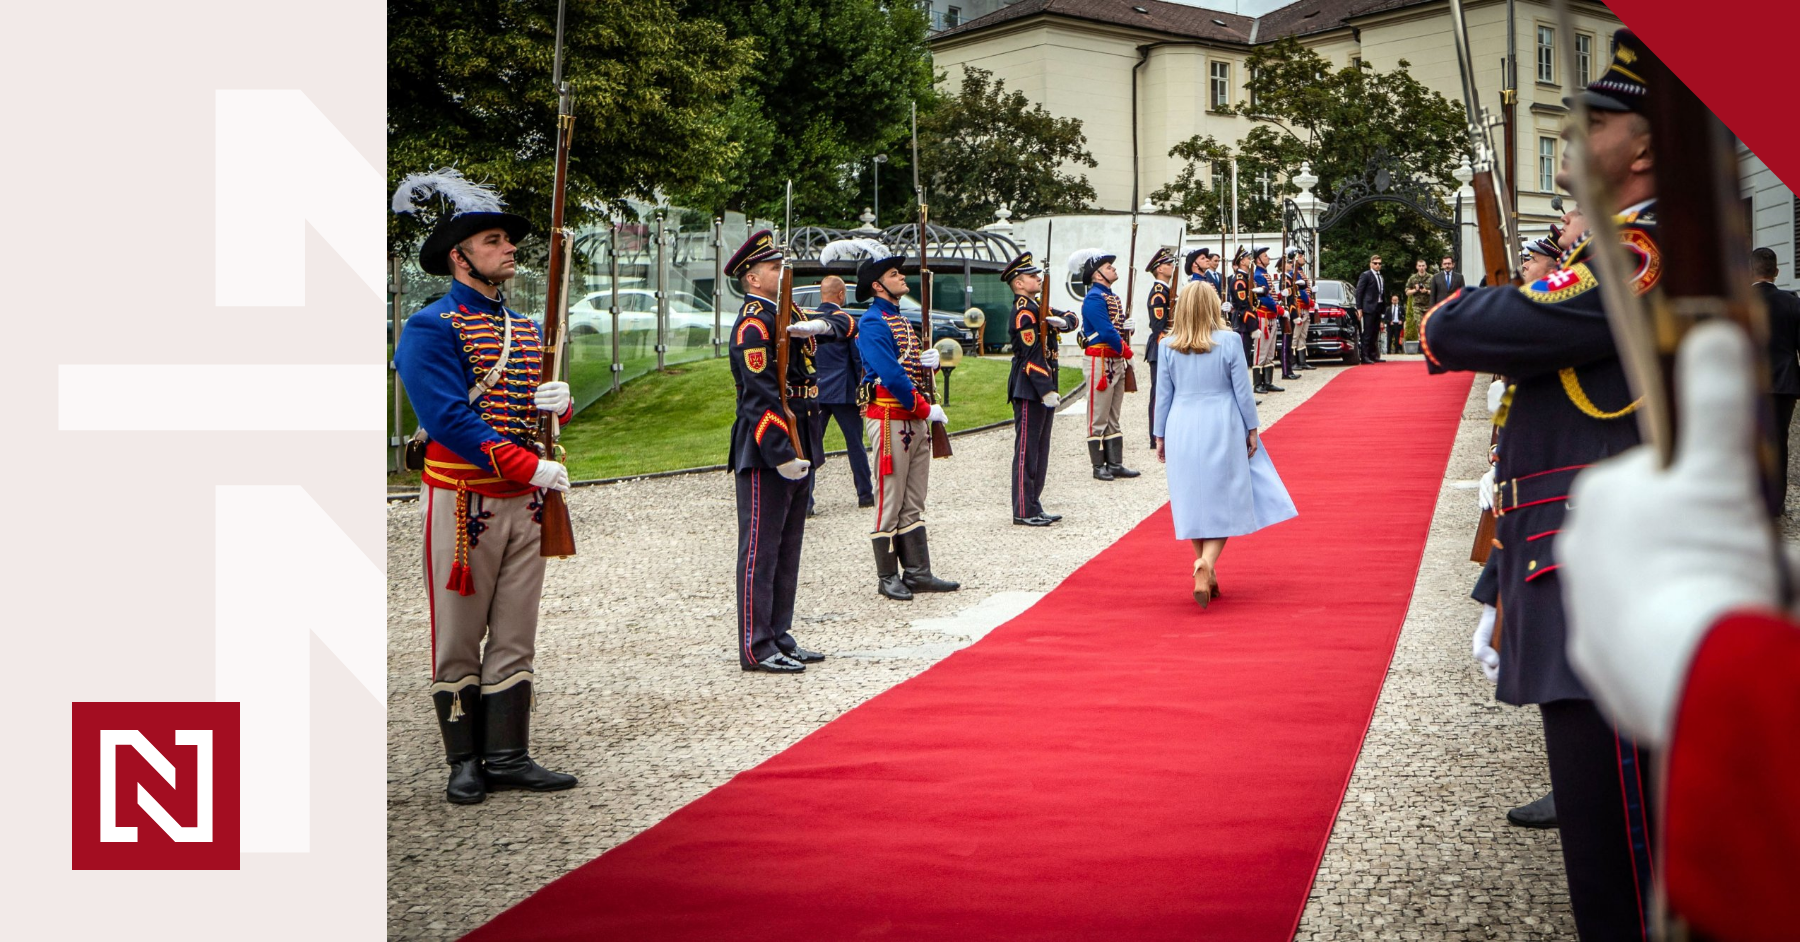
(640, 695)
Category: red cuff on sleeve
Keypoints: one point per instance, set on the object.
(921, 407)
(1733, 831)
(512, 462)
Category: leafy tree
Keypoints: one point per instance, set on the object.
(1345, 115)
(984, 146)
(834, 87)
(469, 85)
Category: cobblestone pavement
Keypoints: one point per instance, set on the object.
(1421, 848)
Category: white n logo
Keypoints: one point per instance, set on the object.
(110, 741)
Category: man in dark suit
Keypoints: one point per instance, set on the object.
(839, 370)
(1370, 295)
(1446, 282)
(1784, 347)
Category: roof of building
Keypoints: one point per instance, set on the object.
(1300, 18)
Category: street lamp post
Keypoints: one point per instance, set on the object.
(878, 160)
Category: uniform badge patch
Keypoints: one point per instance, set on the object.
(1562, 279)
(1029, 336)
(1648, 258)
(755, 360)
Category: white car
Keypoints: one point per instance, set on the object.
(637, 311)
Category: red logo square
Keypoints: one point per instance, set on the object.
(155, 786)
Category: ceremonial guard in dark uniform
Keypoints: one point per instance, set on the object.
(470, 369)
(1240, 303)
(1103, 332)
(1032, 385)
(837, 374)
(829, 323)
(1159, 306)
(773, 481)
(899, 415)
(1300, 304)
(1569, 406)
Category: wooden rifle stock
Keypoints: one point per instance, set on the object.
(784, 315)
(557, 534)
(1130, 301)
(1497, 262)
(1045, 347)
(940, 438)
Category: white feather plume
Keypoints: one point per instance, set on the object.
(463, 194)
(1080, 258)
(852, 250)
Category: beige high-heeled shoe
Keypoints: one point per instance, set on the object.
(1203, 592)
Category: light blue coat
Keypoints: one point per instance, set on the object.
(1203, 412)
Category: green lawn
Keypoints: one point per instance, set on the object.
(682, 418)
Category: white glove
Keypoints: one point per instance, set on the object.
(937, 414)
(552, 397)
(1485, 655)
(1128, 326)
(1052, 400)
(1262, 289)
(1060, 323)
(1653, 557)
(793, 470)
(552, 475)
(1496, 392)
(1225, 306)
(1484, 491)
(928, 358)
(808, 328)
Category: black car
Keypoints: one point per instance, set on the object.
(1334, 333)
(943, 325)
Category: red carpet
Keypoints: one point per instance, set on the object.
(1112, 764)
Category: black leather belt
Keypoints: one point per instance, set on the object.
(1543, 487)
(803, 392)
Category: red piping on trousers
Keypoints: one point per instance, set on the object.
(1024, 435)
(1638, 891)
(1539, 536)
(430, 583)
(750, 560)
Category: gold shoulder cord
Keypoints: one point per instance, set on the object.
(1572, 388)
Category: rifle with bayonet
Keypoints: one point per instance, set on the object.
(1045, 346)
(1499, 237)
(1130, 297)
(557, 535)
(940, 438)
(784, 315)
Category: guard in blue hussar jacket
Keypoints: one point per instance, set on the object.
(1268, 314)
(898, 414)
(1103, 332)
(1202, 265)
(773, 481)
(470, 369)
(1569, 406)
(1158, 307)
(837, 374)
(1032, 386)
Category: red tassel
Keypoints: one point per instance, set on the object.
(887, 465)
(1100, 383)
(461, 580)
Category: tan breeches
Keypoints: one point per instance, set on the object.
(900, 496)
(1104, 404)
(508, 577)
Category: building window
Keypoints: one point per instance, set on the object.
(952, 17)
(1546, 55)
(1584, 59)
(1221, 85)
(1547, 164)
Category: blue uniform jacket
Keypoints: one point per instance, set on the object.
(1096, 319)
(838, 367)
(889, 358)
(1567, 407)
(437, 373)
(1265, 298)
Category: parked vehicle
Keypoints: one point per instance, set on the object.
(637, 311)
(1335, 329)
(944, 325)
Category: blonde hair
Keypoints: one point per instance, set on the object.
(1196, 317)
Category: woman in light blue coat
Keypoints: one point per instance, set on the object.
(1221, 481)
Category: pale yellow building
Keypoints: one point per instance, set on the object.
(1077, 58)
